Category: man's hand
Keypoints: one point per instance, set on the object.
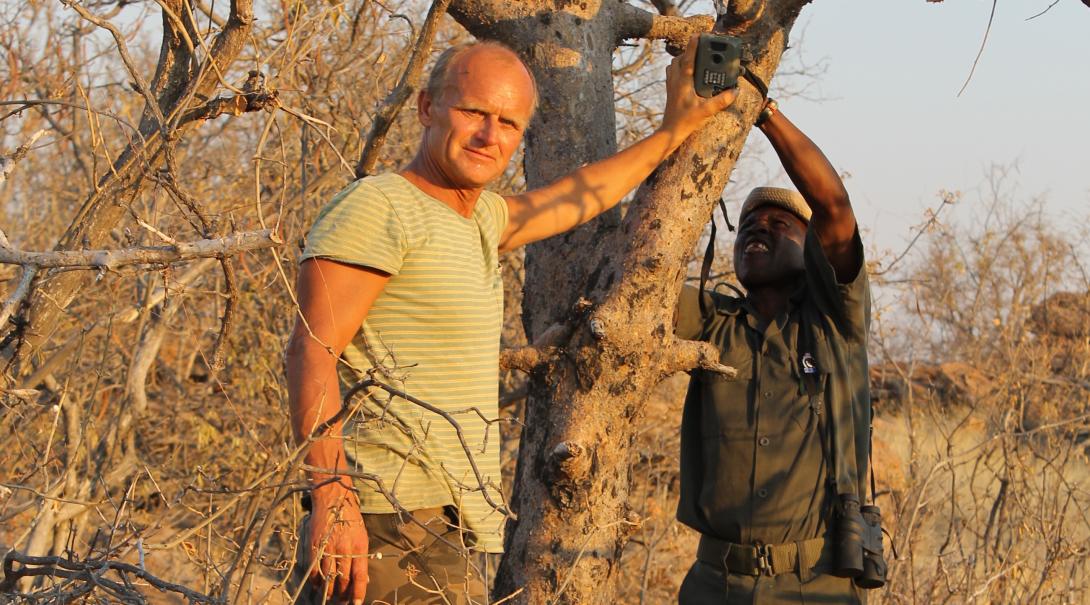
(686, 110)
(337, 539)
(585, 193)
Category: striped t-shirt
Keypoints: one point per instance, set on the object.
(434, 333)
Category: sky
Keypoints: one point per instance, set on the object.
(888, 112)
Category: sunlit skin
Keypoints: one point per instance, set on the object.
(473, 128)
(768, 256)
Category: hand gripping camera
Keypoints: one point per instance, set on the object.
(718, 64)
(858, 540)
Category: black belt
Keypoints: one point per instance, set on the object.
(805, 556)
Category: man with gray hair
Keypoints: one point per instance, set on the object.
(400, 280)
(768, 456)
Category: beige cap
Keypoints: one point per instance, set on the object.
(788, 199)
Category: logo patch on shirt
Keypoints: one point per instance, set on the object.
(808, 364)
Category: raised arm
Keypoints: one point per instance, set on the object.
(334, 299)
(817, 181)
(585, 193)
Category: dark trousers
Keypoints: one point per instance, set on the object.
(706, 585)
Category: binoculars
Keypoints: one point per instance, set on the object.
(858, 540)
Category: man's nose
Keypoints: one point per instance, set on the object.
(761, 224)
(489, 131)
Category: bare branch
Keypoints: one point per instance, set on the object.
(17, 295)
(544, 347)
(236, 105)
(635, 22)
(8, 163)
(245, 241)
(28, 103)
(689, 354)
(983, 44)
(123, 50)
(90, 572)
(410, 81)
(206, 8)
(457, 430)
(525, 359)
(666, 8)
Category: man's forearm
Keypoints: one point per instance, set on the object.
(602, 184)
(816, 179)
(583, 194)
(591, 190)
(810, 171)
(314, 398)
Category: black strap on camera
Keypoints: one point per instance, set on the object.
(722, 26)
(709, 255)
(755, 81)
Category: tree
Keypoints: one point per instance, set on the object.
(598, 302)
(124, 445)
(599, 280)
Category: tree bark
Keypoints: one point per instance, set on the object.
(612, 284)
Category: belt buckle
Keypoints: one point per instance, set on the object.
(763, 560)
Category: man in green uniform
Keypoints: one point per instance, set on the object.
(400, 279)
(757, 450)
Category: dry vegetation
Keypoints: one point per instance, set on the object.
(981, 384)
(133, 462)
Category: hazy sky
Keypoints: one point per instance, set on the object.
(890, 115)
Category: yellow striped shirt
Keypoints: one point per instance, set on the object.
(434, 333)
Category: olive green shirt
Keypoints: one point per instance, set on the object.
(752, 461)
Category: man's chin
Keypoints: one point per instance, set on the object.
(757, 278)
(478, 177)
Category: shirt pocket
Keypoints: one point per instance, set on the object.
(805, 417)
(727, 412)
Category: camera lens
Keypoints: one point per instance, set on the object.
(717, 58)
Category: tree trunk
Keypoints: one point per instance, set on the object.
(608, 288)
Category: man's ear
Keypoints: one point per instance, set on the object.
(424, 107)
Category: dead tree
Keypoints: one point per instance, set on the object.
(599, 300)
(193, 64)
(177, 96)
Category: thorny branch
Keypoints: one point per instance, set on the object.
(409, 83)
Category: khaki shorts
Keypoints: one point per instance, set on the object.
(416, 566)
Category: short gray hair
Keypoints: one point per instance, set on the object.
(437, 80)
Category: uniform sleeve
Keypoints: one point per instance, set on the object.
(359, 226)
(847, 304)
(688, 321)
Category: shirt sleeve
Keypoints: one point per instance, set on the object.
(359, 226)
(848, 304)
(497, 205)
(688, 321)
